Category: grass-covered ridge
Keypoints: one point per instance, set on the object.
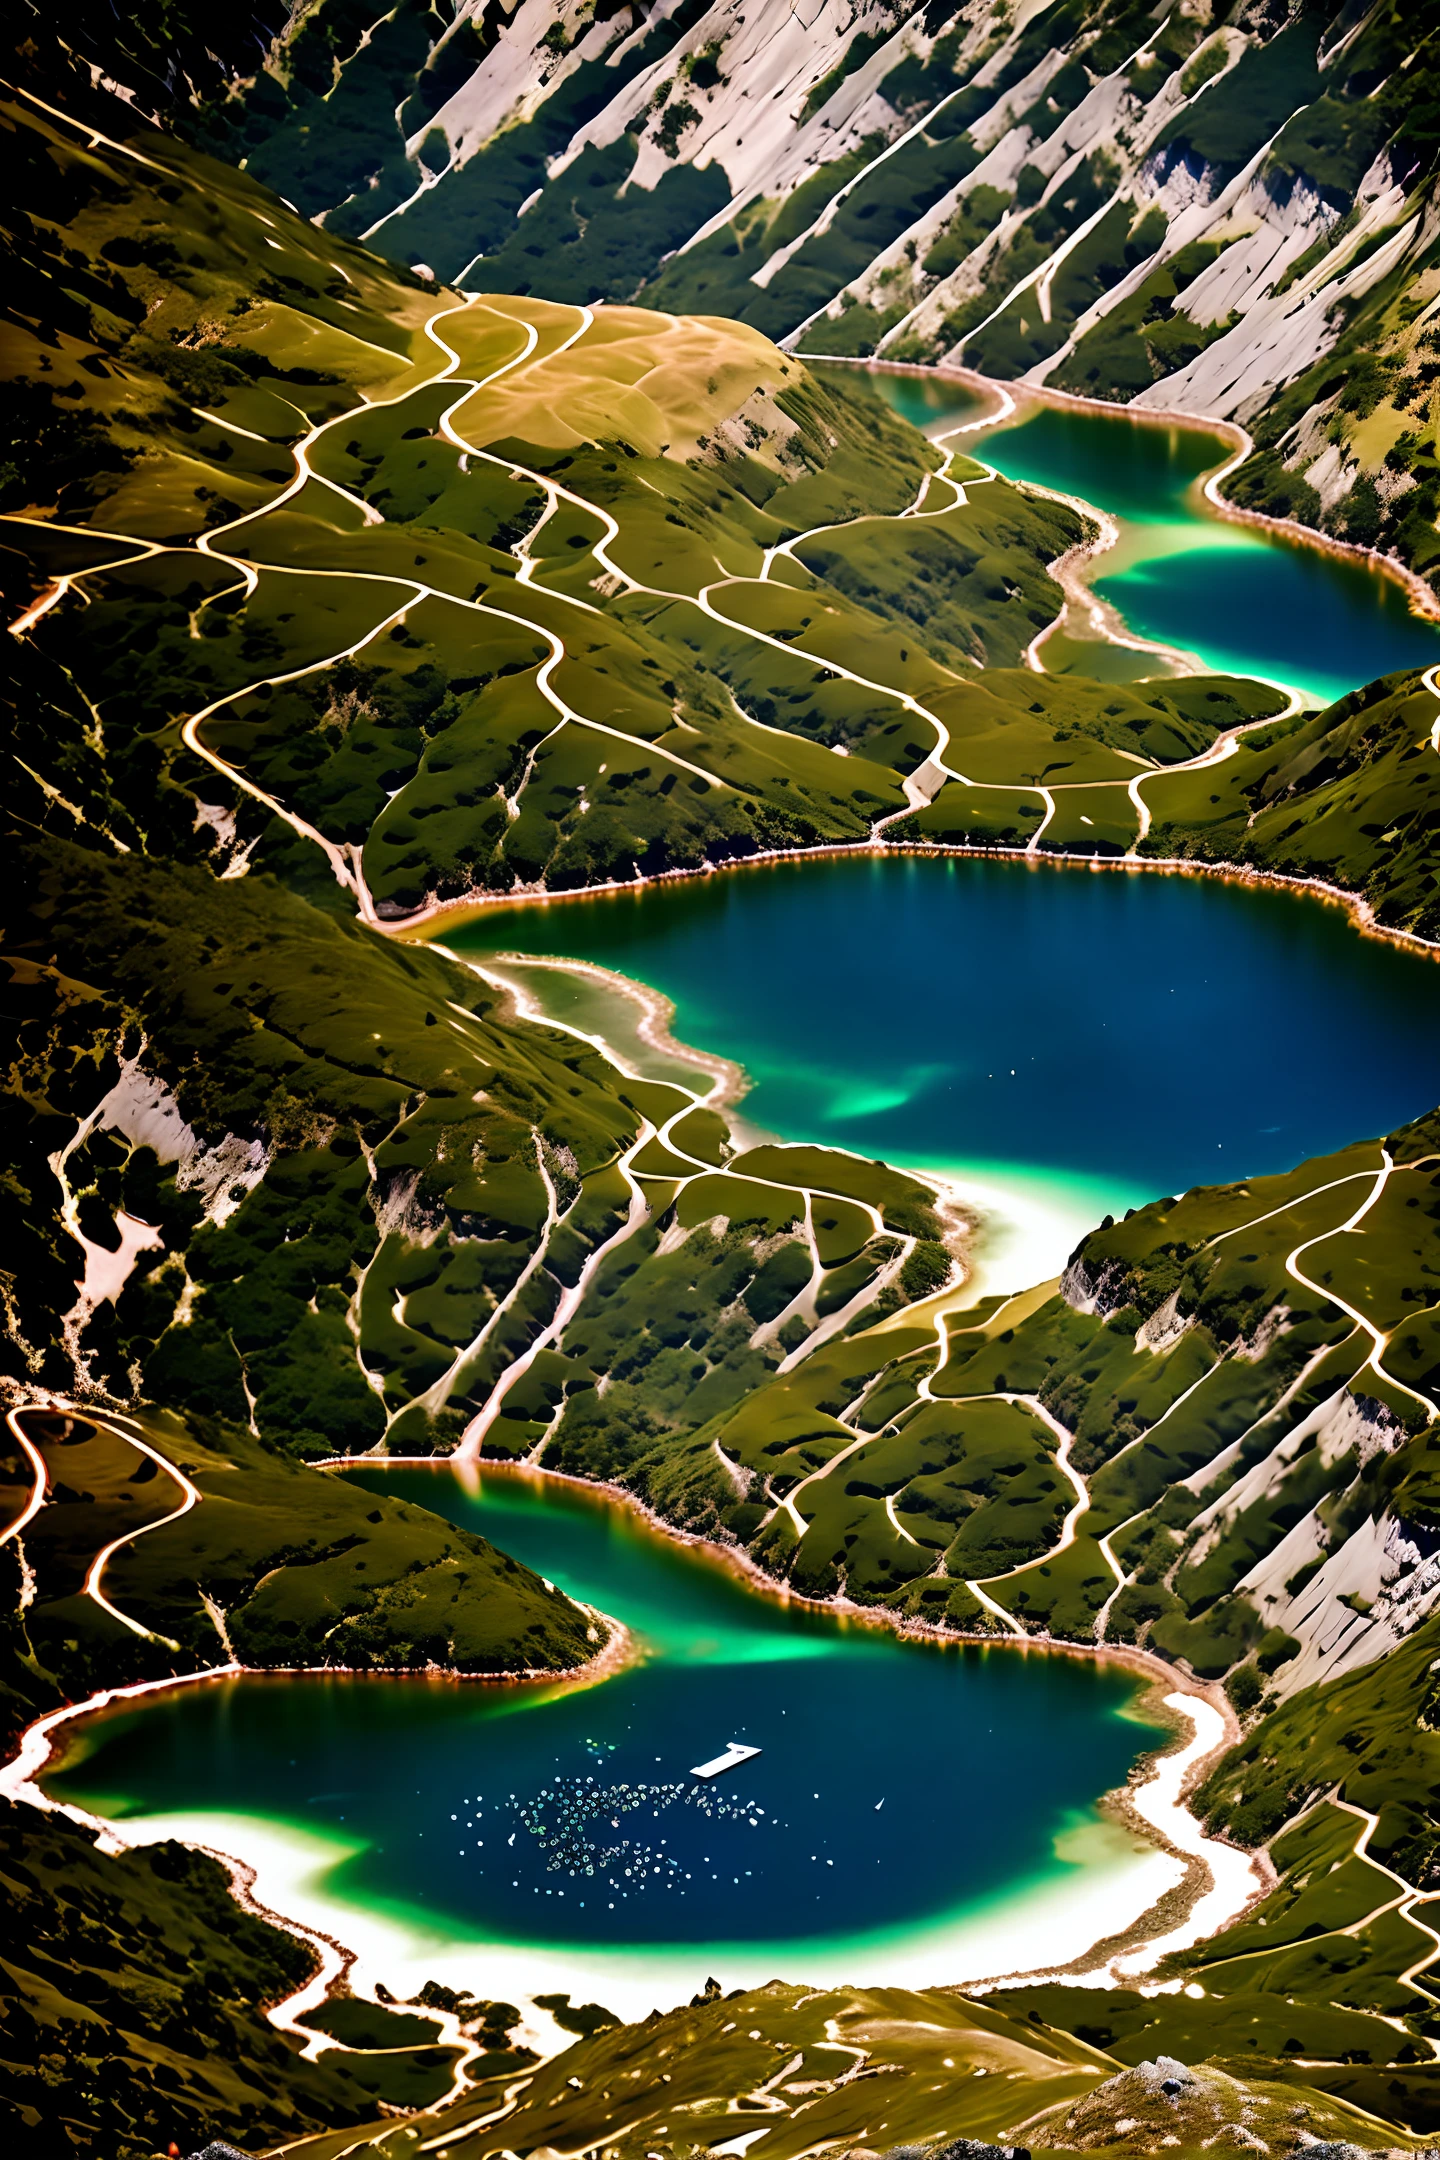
(496, 627)
(854, 2068)
(270, 1566)
(359, 1200)
(1221, 211)
(415, 597)
(336, 593)
(1211, 1439)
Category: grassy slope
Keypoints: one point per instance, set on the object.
(1350, 796)
(468, 695)
(883, 213)
(257, 1018)
(1253, 1424)
(1186, 1361)
(135, 1993)
(296, 1570)
(392, 1206)
(411, 707)
(877, 2069)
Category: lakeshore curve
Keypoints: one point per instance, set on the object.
(467, 907)
(1012, 397)
(37, 1745)
(1198, 1712)
(1219, 1885)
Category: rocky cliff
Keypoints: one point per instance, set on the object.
(1226, 210)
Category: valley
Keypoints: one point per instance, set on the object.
(986, 1272)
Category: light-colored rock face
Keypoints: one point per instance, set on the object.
(1339, 1428)
(752, 121)
(1191, 222)
(1363, 1602)
(1347, 1599)
(1281, 334)
(1164, 1327)
(144, 1112)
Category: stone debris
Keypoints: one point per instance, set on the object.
(957, 2149)
(972, 2149)
(1165, 2103)
(1163, 2099)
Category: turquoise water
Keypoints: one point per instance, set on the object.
(1107, 1036)
(1247, 602)
(897, 1784)
(1116, 1036)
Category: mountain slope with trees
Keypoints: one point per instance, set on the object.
(1227, 210)
(337, 593)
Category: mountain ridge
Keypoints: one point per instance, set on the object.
(1229, 210)
(278, 1179)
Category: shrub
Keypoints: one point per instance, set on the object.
(1244, 1688)
(926, 1270)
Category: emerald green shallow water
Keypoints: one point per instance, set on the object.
(905, 1793)
(1246, 601)
(1092, 1040)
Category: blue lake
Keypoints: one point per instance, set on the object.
(903, 1790)
(1246, 601)
(1091, 1038)
(1108, 1036)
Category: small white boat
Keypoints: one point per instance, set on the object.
(734, 1755)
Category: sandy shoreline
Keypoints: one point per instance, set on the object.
(473, 907)
(1021, 1223)
(655, 1035)
(1171, 1697)
(36, 1743)
(1157, 1864)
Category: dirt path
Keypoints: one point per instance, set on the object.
(1380, 1338)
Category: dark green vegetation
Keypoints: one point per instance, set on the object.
(135, 1992)
(528, 633)
(858, 2068)
(437, 655)
(279, 1186)
(274, 1566)
(134, 1998)
(1243, 1384)
(1312, 801)
(879, 217)
(1208, 1369)
(303, 1150)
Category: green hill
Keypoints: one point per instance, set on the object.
(337, 593)
(1224, 210)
